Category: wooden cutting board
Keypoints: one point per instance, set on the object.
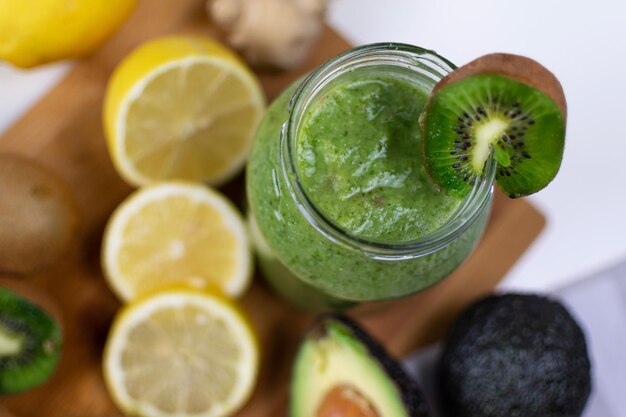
(64, 132)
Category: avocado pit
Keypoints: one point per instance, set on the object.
(346, 401)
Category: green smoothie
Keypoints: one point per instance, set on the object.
(357, 183)
(358, 156)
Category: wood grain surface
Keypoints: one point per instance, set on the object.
(64, 132)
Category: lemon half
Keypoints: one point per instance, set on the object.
(181, 353)
(176, 233)
(181, 108)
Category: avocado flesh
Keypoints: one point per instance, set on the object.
(337, 353)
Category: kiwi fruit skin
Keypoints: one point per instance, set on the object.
(515, 67)
(528, 105)
(515, 355)
(39, 218)
(37, 336)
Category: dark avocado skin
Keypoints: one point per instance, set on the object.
(515, 355)
(410, 392)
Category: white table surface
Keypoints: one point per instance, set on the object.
(582, 42)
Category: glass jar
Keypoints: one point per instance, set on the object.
(305, 256)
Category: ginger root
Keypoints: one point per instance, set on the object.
(277, 33)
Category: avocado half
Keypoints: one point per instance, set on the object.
(341, 371)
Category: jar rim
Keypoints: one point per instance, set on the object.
(424, 62)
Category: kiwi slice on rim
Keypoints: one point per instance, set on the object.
(30, 340)
(504, 106)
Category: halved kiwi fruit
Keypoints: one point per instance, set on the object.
(503, 106)
(30, 337)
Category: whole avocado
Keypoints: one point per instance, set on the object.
(515, 355)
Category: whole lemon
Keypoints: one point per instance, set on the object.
(35, 32)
